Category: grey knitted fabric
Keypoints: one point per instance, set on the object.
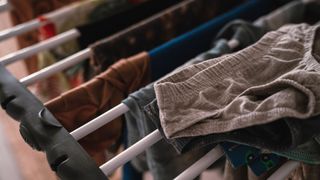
(293, 12)
(162, 165)
(275, 78)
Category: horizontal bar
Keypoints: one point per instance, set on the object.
(99, 121)
(131, 152)
(19, 29)
(65, 11)
(284, 170)
(57, 67)
(202, 164)
(44, 45)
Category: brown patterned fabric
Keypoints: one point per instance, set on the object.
(80, 105)
(27, 10)
(155, 30)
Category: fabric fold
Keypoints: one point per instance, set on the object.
(82, 104)
(213, 99)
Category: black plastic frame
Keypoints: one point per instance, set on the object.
(43, 132)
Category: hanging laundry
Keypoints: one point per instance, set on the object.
(293, 12)
(199, 40)
(293, 133)
(265, 23)
(263, 94)
(241, 31)
(296, 12)
(58, 118)
(27, 10)
(155, 30)
(78, 14)
(80, 105)
(122, 19)
(241, 26)
(287, 63)
(307, 154)
(162, 165)
(61, 82)
(138, 125)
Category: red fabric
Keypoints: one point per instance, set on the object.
(48, 30)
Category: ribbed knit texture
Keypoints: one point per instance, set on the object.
(275, 78)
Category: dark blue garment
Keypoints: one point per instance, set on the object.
(242, 155)
(174, 53)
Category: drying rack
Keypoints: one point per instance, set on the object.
(65, 155)
(43, 132)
